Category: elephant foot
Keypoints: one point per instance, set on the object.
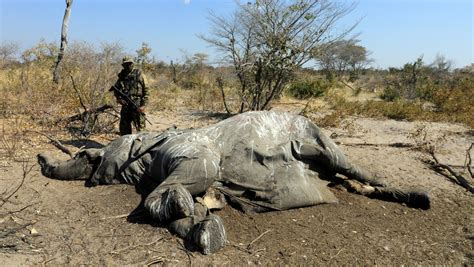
(419, 200)
(182, 227)
(413, 199)
(209, 235)
(175, 203)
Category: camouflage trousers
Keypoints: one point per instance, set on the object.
(129, 116)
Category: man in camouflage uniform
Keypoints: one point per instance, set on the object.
(133, 84)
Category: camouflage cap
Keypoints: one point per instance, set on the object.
(126, 60)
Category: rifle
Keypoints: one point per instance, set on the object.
(129, 101)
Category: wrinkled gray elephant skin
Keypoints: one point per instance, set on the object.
(261, 161)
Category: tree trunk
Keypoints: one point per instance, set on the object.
(64, 28)
(220, 84)
(173, 68)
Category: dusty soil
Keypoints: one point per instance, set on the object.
(59, 222)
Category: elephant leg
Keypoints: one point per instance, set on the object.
(172, 203)
(190, 178)
(187, 219)
(332, 158)
(355, 172)
(411, 198)
(169, 203)
(78, 168)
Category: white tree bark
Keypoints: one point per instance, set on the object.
(64, 29)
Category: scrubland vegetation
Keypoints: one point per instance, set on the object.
(417, 91)
(266, 48)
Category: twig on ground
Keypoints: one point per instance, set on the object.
(337, 254)
(135, 246)
(188, 254)
(19, 210)
(8, 246)
(132, 214)
(26, 170)
(115, 217)
(258, 237)
(48, 260)
(241, 248)
(7, 232)
(154, 260)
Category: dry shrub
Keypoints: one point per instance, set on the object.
(29, 90)
(207, 96)
(455, 99)
(164, 95)
(86, 75)
(456, 109)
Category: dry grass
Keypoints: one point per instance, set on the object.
(28, 91)
(397, 110)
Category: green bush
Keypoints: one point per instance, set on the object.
(309, 88)
(390, 94)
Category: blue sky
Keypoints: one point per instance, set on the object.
(395, 31)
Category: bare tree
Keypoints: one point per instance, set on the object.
(8, 50)
(441, 63)
(267, 40)
(64, 28)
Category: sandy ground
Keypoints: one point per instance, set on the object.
(59, 222)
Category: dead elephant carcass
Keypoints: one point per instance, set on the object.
(260, 161)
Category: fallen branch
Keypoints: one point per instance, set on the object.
(88, 112)
(454, 176)
(57, 144)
